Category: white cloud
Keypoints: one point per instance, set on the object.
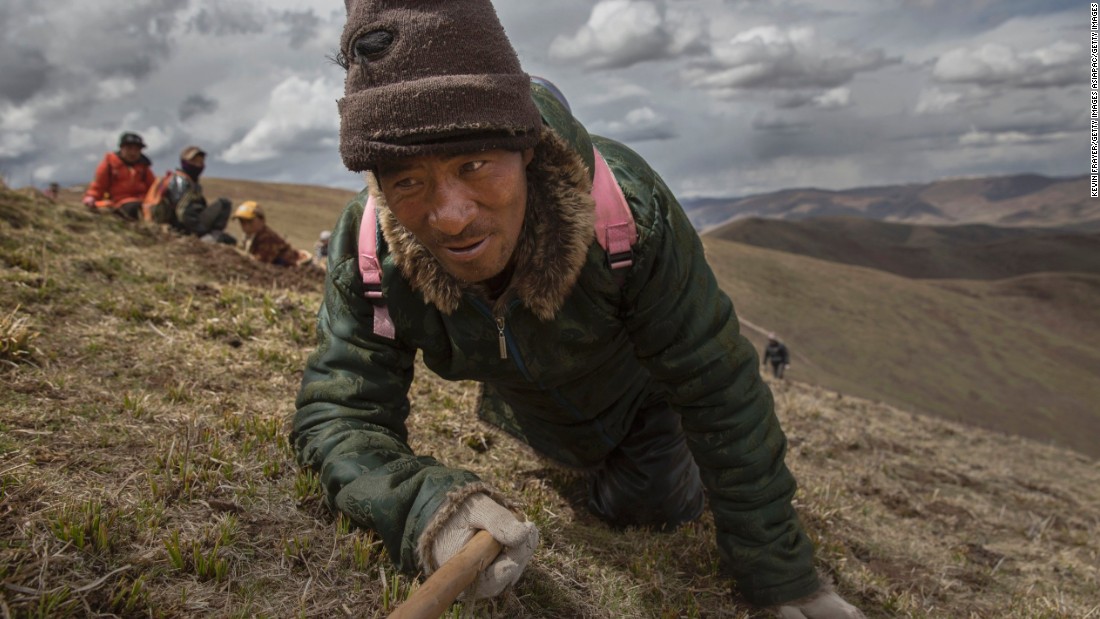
(300, 115)
(15, 144)
(620, 33)
(935, 101)
(770, 57)
(99, 139)
(638, 125)
(982, 139)
(45, 173)
(85, 138)
(835, 98)
(112, 88)
(995, 64)
(17, 117)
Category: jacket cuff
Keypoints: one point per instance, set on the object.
(792, 592)
(451, 503)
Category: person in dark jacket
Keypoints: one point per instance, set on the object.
(776, 353)
(489, 266)
(121, 179)
(183, 207)
(320, 249)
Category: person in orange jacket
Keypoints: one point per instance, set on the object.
(121, 179)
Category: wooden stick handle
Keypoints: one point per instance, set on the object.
(439, 591)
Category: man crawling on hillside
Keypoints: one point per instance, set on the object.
(556, 268)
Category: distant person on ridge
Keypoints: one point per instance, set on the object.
(776, 352)
(122, 179)
(263, 243)
(480, 244)
(177, 201)
(320, 249)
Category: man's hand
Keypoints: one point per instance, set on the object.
(88, 201)
(479, 512)
(824, 605)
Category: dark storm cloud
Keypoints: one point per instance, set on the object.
(637, 135)
(23, 72)
(122, 40)
(222, 19)
(47, 48)
(196, 105)
(777, 124)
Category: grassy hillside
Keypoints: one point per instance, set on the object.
(146, 382)
(1017, 355)
(930, 252)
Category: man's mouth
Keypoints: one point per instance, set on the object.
(464, 249)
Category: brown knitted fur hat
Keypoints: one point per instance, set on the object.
(429, 77)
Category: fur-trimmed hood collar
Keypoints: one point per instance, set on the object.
(558, 228)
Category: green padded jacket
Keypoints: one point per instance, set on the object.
(584, 352)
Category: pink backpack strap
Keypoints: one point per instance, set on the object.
(371, 270)
(615, 229)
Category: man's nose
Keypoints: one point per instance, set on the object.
(453, 210)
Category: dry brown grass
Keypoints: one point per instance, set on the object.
(16, 338)
(145, 471)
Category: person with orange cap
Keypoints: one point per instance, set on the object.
(263, 243)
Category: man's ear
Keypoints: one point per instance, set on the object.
(528, 155)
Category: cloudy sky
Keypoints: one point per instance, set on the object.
(724, 97)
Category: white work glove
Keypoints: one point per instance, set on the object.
(88, 201)
(479, 512)
(825, 605)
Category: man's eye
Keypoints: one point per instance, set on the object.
(405, 183)
(473, 166)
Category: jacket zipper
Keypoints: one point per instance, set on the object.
(502, 341)
(517, 360)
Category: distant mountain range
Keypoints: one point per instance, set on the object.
(1020, 200)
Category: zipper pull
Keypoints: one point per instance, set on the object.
(500, 334)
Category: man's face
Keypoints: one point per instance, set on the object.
(130, 153)
(251, 226)
(467, 210)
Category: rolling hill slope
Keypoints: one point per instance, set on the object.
(1017, 355)
(930, 252)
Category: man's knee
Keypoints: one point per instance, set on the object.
(651, 479)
